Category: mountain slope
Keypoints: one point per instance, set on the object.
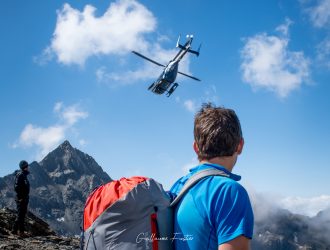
(60, 184)
(283, 230)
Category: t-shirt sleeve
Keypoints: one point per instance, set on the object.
(231, 212)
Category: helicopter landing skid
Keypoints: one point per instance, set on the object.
(150, 87)
(170, 92)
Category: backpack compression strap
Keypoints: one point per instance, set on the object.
(196, 178)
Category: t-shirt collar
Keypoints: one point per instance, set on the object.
(235, 177)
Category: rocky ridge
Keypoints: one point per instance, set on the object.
(283, 230)
(60, 184)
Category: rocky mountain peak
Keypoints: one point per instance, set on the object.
(66, 162)
(66, 145)
(60, 184)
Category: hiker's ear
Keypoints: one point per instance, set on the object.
(240, 146)
(195, 148)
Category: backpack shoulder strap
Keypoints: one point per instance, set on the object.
(196, 178)
(17, 176)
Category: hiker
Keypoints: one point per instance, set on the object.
(216, 212)
(22, 189)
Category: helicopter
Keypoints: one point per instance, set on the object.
(166, 80)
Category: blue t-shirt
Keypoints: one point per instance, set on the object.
(214, 211)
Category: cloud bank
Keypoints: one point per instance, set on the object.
(265, 204)
(306, 206)
(268, 63)
(81, 34)
(47, 138)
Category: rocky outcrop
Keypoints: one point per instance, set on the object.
(60, 184)
(38, 235)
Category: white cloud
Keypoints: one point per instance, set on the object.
(323, 52)
(123, 27)
(209, 95)
(81, 34)
(82, 142)
(320, 14)
(190, 105)
(146, 72)
(101, 74)
(268, 63)
(284, 28)
(265, 204)
(47, 138)
(72, 114)
(58, 106)
(306, 206)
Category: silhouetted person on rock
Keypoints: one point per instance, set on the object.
(22, 189)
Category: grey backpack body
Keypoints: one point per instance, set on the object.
(140, 218)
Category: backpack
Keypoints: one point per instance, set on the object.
(17, 173)
(133, 214)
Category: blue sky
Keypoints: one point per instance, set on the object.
(67, 73)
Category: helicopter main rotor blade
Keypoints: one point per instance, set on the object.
(148, 59)
(192, 77)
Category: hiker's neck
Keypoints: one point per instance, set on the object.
(228, 162)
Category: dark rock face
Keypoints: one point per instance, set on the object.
(39, 235)
(283, 230)
(34, 225)
(60, 184)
